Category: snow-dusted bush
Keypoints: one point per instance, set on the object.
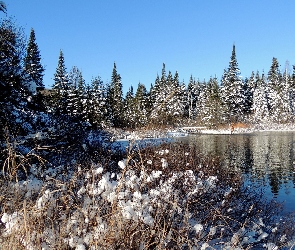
(156, 199)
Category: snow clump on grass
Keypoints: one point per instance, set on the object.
(197, 206)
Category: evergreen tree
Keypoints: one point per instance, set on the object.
(158, 96)
(260, 99)
(140, 104)
(14, 91)
(115, 99)
(193, 93)
(33, 64)
(232, 91)
(129, 109)
(286, 95)
(74, 77)
(292, 91)
(209, 104)
(60, 88)
(176, 101)
(249, 87)
(149, 101)
(98, 102)
(88, 113)
(154, 92)
(168, 98)
(76, 92)
(279, 98)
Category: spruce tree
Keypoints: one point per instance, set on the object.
(168, 98)
(260, 105)
(98, 102)
(177, 101)
(249, 87)
(76, 92)
(140, 103)
(129, 109)
(154, 92)
(193, 93)
(115, 99)
(232, 91)
(292, 91)
(14, 90)
(33, 64)
(279, 89)
(61, 87)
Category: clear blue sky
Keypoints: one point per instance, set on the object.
(190, 36)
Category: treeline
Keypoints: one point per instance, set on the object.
(258, 98)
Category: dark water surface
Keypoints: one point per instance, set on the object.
(264, 158)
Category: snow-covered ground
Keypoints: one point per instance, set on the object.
(121, 135)
(92, 208)
(84, 203)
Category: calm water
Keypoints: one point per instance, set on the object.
(267, 158)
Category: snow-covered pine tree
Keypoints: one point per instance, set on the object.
(33, 65)
(202, 108)
(292, 91)
(213, 102)
(88, 113)
(168, 106)
(193, 92)
(279, 98)
(129, 109)
(176, 103)
(154, 92)
(249, 87)
(232, 93)
(76, 92)
(13, 81)
(158, 97)
(149, 102)
(168, 98)
(209, 104)
(115, 99)
(260, 107)
(60, 88)
(140, 105)
(287, 95)
(201, 99)
(99, 102)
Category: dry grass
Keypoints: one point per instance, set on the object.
(72, 211)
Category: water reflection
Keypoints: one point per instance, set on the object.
(266, 158)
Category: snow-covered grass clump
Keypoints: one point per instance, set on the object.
(163, 198)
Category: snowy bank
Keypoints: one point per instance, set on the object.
(161, 197)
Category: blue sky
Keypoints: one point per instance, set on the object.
(190, 36)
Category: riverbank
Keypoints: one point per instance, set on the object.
(161, 197)
(138, 134)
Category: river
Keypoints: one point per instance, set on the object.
(264, 158)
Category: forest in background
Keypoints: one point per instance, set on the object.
(72, 107)
(259, 98)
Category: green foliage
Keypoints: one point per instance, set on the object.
(61, 87)
(14, 83)
(33, 64)
(115, 99)
(232, 93)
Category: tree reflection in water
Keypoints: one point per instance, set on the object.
(264, 158)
